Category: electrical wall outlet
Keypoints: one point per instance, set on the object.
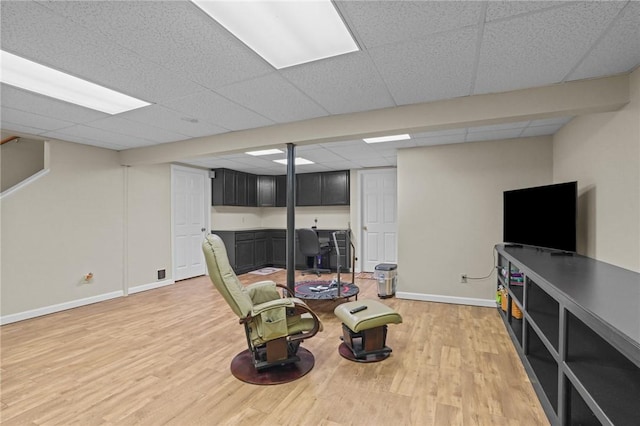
(463, 278)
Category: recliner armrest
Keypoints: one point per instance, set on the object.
(272, 304)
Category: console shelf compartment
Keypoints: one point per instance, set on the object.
(579, 339)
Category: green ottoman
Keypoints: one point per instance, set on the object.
(364, 328)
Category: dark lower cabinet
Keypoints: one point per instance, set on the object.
(245, 254)
(260, 250)
(251, 250)
(279, 248)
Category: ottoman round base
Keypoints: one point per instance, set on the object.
(364, 327)
(346, 352)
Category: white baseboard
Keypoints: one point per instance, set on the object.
(150, 286)
(20, 316)
(489, 303)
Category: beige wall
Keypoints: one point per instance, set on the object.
(602, 152)
(88, 214)
(61, 227)
(20, 159)
(148, 224)
(450, 212)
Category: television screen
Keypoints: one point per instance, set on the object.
(543, 216)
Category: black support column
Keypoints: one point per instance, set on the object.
(291, 217)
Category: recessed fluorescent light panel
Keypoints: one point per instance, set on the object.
(299, 161)
(264, 152)
(284, 33)
(28, 75)
(387, 138)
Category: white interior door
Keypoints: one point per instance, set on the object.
(379, 217)
(189, 206)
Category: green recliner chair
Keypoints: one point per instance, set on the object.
(274, 325)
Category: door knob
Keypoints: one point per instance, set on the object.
(364, 228)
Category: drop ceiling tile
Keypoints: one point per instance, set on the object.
(43, 105)
(19, 128)
(441, 67)
(322, 156)
(393, 161)
(28, 119)
(539, 49)
(344, 165)
(374, 162)
(408, 143)
(352, 153)
(64, 45)
(390, 152)
(128, 128)
(98, 137)
(273, 97)
(378, 23)
(508, 9)
(343, 84)
(171, 34)
(619, 49)
(219, 111)
(84, 140)
(164, 118)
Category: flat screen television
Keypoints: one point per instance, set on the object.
(542, 216)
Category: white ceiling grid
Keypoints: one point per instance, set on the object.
(202, 81)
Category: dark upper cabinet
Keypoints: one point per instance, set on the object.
(252, 190)
(233, 188)
(223, 188)
(266, 191)
(335, 188)
(281, 191)
(308, 187)
(241, 189)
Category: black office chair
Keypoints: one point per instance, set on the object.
(311, 246)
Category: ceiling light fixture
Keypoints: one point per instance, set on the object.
(299, 161)
(387, 138)
(284, 33)
(28, 75)
(264, 152)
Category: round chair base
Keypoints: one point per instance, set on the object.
(242, 368)
(345, 352)
(325, 290)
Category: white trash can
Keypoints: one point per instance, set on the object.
(387, 276)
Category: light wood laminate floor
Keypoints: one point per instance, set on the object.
(162, 357)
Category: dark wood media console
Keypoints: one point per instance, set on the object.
(579, 336)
